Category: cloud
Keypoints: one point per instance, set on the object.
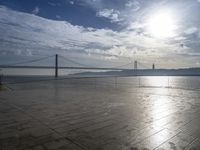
(54, 4)
(58, 16)
(36, 10)
(111, 14)
(31, 34)
(191, 30)
(71, 2)
(133, 4)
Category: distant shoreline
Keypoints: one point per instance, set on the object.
(126, 72)
(149, 72)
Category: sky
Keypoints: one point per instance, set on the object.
(102, 33)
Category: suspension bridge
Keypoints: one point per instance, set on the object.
(77, 65)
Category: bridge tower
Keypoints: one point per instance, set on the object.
(153, 67)
(56, 66)
(135, 65)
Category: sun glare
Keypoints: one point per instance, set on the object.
(161, 25)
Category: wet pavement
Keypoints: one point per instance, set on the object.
(89, 114)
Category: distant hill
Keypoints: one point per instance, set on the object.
(146, 72)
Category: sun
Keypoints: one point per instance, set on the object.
(161, 25)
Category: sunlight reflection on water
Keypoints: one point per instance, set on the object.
(161, 81)
(161, 106)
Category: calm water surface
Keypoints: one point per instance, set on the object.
(184, 82)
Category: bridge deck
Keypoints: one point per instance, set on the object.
(78, 115)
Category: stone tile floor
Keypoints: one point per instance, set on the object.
(66, 115)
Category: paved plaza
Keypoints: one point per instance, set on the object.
(90, 114)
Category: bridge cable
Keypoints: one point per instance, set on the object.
(72, 61)
(26, 62)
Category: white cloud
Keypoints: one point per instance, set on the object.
(31, 34)
(191, 30)
(36, 10)
(54, 4)
(136, 25)
(133, 4)
(112, 14)
(58, 16)
(71, 2)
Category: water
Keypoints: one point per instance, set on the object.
(188, 82)
(181, 82)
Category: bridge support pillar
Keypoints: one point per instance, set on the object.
(1, 80)
(56, 66)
